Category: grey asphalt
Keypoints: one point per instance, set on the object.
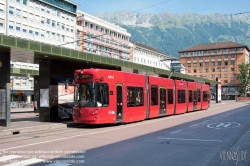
(194, 138)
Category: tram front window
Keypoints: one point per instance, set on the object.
(84, 95)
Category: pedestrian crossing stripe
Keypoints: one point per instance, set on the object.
(9, 157)
(25, 162)
(9, 160)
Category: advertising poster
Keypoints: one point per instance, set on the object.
(218, 87)
(44, 97)
(65, 98)
(3, 104)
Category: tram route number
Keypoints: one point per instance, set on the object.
(223, 125)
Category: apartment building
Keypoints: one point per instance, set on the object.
(149, 56)
(48, 21)
(102, 38)
(216, 60)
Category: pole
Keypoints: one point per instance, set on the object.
(12, 88)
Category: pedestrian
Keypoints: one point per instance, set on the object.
(24, 98)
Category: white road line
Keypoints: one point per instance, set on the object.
(20, 121)
(9, 157)
(182, 139)
(25, 162)
(142, 123)
(176, 131)
(193, 125)
(31, 127)
(216, 117)
(205, 121)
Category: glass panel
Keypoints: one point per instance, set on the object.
(154, 95)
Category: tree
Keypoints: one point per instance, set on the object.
(244, 76)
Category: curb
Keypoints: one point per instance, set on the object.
(9, 132)
(23, 112)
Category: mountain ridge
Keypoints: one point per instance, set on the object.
(170, 33)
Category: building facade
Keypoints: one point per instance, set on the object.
(216, 60)
(178, 67)
(149, 56)
(47, 21)
(102, 38)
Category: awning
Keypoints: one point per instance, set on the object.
(27, 92)
(232, 94)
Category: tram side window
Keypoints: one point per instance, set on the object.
(135, 96)
(170, 96)
(181, 96)
(154, 95)
(190, 96)
(102, 95)
(205, 96)
(199, 95)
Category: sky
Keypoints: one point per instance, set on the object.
(159, 6)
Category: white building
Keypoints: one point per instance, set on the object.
(178, 67)
(149, 56)
(48, 21)
(102, 38)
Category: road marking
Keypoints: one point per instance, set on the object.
(31, 127)
(142, 123)
(193, 125)
(176, 131)
(182, 139)
(205, 121)
(9, 157)
(25, 162)
(216, 117)
(223, 125)
(20, 121)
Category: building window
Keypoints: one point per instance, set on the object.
(232, 56)
(213, 63)
(207, 63)
(25, 2)
(232, 69)
(189, 59)
(213, 69)
(225, 57)
(201, 64)
(232, 81)
(207, 70)
(53, 23)
(213, 75)
(195, 64)
(194, 70)
(225, 75)
(11, 10)
(219, 63)
(225, 69)
(189, 64)
(48, 21)
(232, 62)
(219, 57)
(18, 27)
(18, 12)
(200, 70)
(225, 63)
(232, 75)
(207, 58)
(225, 81)
(189, 71)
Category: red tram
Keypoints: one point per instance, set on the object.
(109, 96)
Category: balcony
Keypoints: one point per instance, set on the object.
(232, 58)
(225, 59)
(207, 60)
(194, 60)
(200, 60)
(239, 52)
(212, 59)
(188, 61)
(219, 59)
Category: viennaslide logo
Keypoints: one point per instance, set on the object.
(236, 155)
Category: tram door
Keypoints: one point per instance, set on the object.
(119, 101)
(195, 100)
(162, 101)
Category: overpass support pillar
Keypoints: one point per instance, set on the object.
(4, 87)
(48, 92)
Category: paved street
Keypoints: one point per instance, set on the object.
(207, 137)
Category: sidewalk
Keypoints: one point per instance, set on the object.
(24, 120)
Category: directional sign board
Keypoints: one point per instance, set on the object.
(223, 125)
